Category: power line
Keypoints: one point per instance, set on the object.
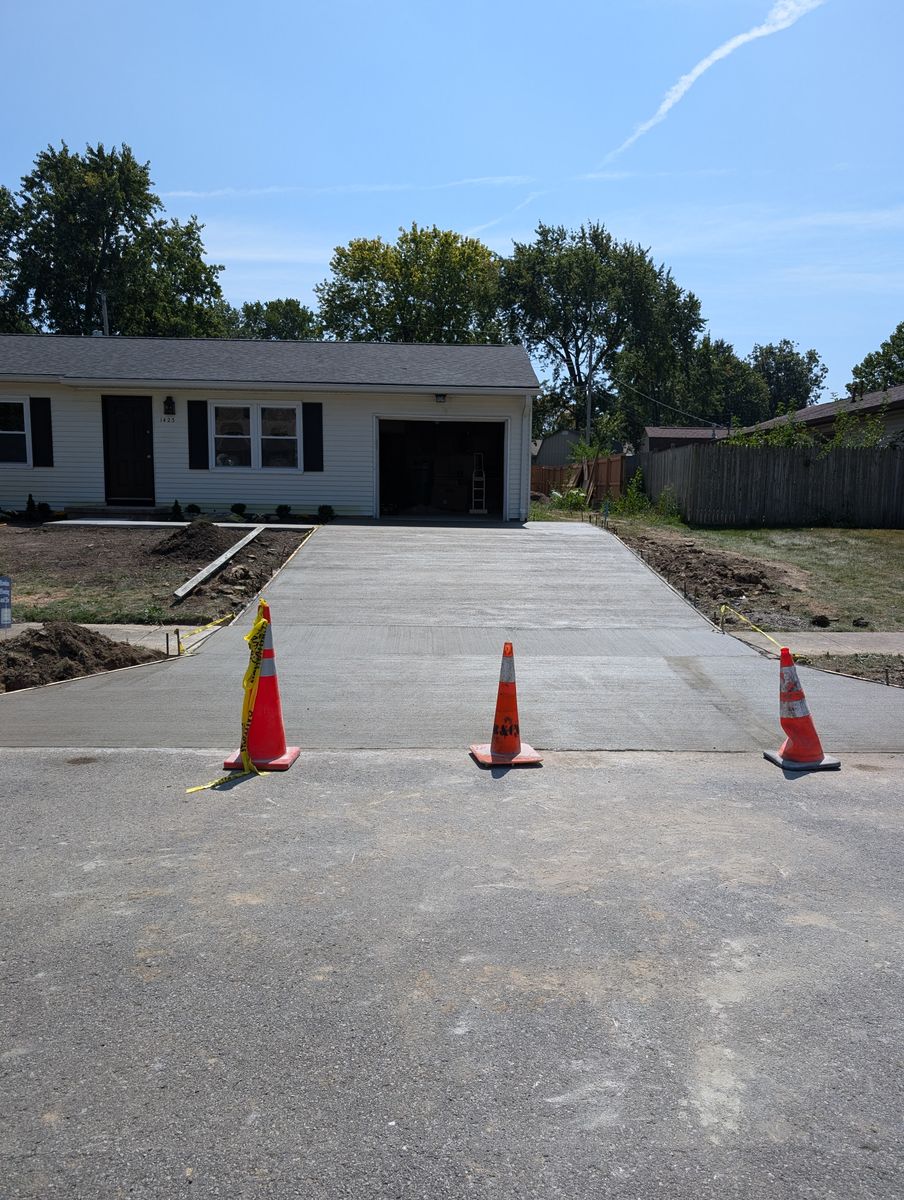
(670, 407)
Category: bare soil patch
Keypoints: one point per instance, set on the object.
(62, 650)
(108, 574)
(881, 668)
(710, 577)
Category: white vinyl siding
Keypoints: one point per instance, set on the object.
(348, 481)
(77, 476)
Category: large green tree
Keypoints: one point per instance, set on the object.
(274, 321)
(431, 285)
(88, 225)
(795, 379)
(883, 368)
(596, 311)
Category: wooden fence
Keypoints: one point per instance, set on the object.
(739, 486)
(607, 477)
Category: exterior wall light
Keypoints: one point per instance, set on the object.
(439, 397)
(169, 407)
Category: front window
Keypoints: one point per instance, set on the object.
(13, 437)
(261, 436)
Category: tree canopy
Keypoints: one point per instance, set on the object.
(794, 379)
(883, 368)
(272, 320)
(431, 285)
(83, 225)
(604, 317)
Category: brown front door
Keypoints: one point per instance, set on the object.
(128, 450)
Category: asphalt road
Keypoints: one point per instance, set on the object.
(386, 974)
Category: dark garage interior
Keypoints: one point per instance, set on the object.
(427, 468)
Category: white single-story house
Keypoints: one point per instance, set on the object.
(371, 429)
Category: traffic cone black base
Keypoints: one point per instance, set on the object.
(527, 756)
(790, 764)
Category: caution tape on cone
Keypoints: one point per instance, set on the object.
(255, 639)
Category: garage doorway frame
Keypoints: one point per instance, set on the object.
(433, 420)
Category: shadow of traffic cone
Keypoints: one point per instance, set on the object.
(266, 739)
(506, 749)
(801, 749)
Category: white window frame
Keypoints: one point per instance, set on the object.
(255, 436)
(26, 409)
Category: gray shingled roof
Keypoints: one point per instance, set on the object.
(814, 414)
(215, 360)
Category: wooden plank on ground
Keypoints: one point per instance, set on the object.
(205, 572)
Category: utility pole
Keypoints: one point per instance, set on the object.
(103, 313)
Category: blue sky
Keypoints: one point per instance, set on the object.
(771, 185)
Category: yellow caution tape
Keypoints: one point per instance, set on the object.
(724, 608)
(203, 629)
(255, 640)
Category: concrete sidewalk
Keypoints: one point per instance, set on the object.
(152, 637)
(814, 642)
(392, 637)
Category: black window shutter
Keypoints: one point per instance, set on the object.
(41, 432)
(198, 455)
(312, 436)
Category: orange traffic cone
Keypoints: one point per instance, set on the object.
(506, 749)
(265, 742)
(801, 749)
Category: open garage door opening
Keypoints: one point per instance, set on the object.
(441, 468)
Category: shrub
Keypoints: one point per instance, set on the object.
(193, 510)
(239, 509)
(284, 511)
(176, 512)
(635, 501)
(31, 509)
(325, 512)
(667, 503)
(45, 512)
(574, 500)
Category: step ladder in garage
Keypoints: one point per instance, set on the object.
(478, 487)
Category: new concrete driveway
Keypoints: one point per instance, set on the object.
(389, 974)
(391, 636)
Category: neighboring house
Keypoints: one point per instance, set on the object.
(555, 450)
(820, 418)
(670, 437)
(370, 429)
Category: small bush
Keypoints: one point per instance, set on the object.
(45, 512)
(635, 501)
(667, 503)
(326, 512)
(283, 511)
(176, 513)
(193, 510)
(239, 509)
(574, 500)
(31, 509)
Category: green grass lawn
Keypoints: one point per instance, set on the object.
(853, 573)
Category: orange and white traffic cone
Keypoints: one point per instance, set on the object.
(265, 741)
(506, 749)
(801, 749)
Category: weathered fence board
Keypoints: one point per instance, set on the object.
(608, 477)
(737, 486)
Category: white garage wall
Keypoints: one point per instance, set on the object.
(347, 482)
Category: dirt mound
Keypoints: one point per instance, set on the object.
(200, 542)
(63, 650)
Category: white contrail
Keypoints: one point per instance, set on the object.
(783, 14)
